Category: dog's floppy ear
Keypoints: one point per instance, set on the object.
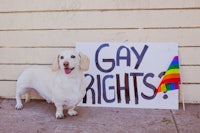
(84, 62)
(55, 65)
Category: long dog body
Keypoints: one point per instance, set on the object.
(63, 85)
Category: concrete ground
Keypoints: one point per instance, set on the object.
(38, 117)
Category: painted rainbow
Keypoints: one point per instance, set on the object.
(171, 78)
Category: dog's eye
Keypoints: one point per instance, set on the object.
(61, 57)
(73, 56)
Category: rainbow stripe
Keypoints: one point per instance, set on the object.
(171, 79)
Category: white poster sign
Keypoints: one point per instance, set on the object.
(133, 75)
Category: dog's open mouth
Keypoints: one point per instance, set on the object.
(68, 70)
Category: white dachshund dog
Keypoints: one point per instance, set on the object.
(63, 85)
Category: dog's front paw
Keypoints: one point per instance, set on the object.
(72, 112)
(59, 115)
(19, 106)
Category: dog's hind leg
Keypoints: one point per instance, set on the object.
(19, 93)
(19, 104)
(27, 98)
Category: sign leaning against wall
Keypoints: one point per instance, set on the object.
(133, 75)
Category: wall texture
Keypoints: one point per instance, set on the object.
(32, 32)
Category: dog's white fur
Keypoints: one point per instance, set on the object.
(63, 88)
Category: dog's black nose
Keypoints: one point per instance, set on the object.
(66, 64)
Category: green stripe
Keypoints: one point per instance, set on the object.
(167, 86)
(175, 66)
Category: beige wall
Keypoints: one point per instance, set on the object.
(32, 32)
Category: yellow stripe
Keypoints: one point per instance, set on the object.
(164, 89)
(172, 71)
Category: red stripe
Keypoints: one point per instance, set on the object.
(171, 80)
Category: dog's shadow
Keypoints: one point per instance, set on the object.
(43, 109)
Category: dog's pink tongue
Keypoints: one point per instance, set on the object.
(67, 70)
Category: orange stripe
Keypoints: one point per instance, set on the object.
(159, 89)
(171, 76)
